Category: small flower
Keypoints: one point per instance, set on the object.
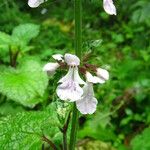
(70, 89)
(87, 104)
(35, 3)
(58, 57)
(93, 79)
(72, 60)
(102, 73)
(50, 68)
(109, 7)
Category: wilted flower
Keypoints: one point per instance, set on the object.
(35, 3)
(70, 89)
(109, 7)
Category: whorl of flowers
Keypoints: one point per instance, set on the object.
(70, 86)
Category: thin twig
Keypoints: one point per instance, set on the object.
(44, 138)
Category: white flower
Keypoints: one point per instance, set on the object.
(50, 68)
(93, 79)
(87, 104)
(102, 73)
(72, 60)
(69, 89)
(35, 3)
(109, 7)
(58, 57)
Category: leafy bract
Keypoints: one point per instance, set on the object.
(26, 84)
(25, 130)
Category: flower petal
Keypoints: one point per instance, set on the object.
(102, 73)
(69, 90)
(88, 103)
(58, 57)
(93, 79)
(35, 3)
(50, 68)
(68, 76)
(72, 60)
(109, 7)
(77, 77)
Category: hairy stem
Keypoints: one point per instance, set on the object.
(78, 52)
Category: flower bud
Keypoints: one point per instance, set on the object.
(35, 3)
(50, 68)
(58, 57)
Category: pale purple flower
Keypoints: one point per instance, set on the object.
(109, 7)
(70, 89)
(102, 74)
(35, 3)
(87, 104)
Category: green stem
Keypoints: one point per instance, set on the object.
(78, 52)
(78, 27)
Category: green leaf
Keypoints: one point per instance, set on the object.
(26, 84)
(5, 41)
(142, 141)
(8, 108)
(25, 130)
(4, 38)
(25, 32)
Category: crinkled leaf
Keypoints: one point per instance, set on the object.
(25, 32)
(5, 41)
(25, 130)
(26, 84)
(142, 141)
(5, 38)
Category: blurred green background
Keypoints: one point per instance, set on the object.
(120, 44)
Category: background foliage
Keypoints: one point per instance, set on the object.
(29, 108)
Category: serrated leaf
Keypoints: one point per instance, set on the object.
(25, 130)
(26, 84)
(25, 32)
(142, 141)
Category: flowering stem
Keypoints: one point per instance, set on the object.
(78, 51)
